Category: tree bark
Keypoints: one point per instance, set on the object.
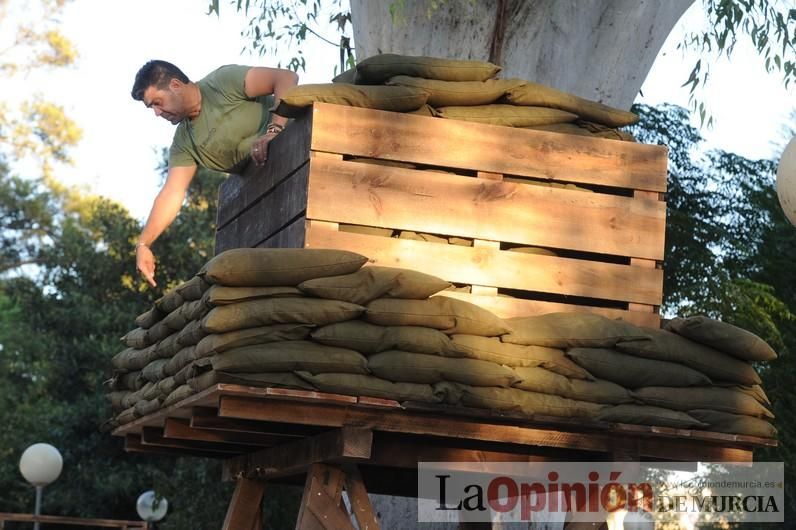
(597, 49)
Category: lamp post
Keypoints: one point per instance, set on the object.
(786, 181)
(151, 508)
(40, 464)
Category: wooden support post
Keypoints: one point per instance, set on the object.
(320, 504)
(358, 496)
(646, 263)
(245, 508)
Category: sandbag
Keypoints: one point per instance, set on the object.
(407, 367)
(169, 301)
(148, 318)
(667, 346)
(144, 407)
(137, 338)
(116, 398)
(263, 267)
(724, 337)
(439, 312)
(158, 332)
(367, 385)
(130, 359)
(457, 93)
(506, 115)
(492, 349)
(279, 379)
(634, 372)
(126, 416)
(390, 98)
(177, 395)
(646, 415)
(193, 289)
(154, 371)
(269, 311)
(516, 401)
(221, 342)
(369, 283)
(223, 295)
(539, 95)
(166, 386)
(191, 334)
(368, 230)
(712, 398)
(734, 423)
(379, 68)
(369, 338)
(289, 356)
(570, 330)
(537, 379)
(180, 360)
(168, 347)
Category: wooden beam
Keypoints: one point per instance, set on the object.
(154, 436)
(207, 419)
(320, 507)
(358, 496)
(292, 458)
(76, 521)
(132, 444)
(245, 508)
(179, 428)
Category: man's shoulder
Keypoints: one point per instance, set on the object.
(226, 73)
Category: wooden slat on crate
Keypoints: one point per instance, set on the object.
(179, 428)
(438, 203)
(500, 268)
(513, 151)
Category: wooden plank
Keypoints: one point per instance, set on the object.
(465, 145)
(154, 436)
(454, 427)
(296, 457)
(361, 508)
(291, 236)
(245, 507)
(180, 429)
(132, 444)
(506, 307)
(273, 212)
(78, 521)
(286, 153)
(207, 419)
(483, 243)
(440, 203)
(502, 268)
(320, 503)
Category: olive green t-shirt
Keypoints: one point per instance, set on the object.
(220, 137)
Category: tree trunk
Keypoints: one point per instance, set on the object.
(597, 49)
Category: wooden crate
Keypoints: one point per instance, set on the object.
(325, 175)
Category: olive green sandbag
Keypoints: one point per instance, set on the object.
(168, 347)
(538, 95)
(367, 385)
(166, 386)
(180, 360)
(177, 395)
(131, 380)
(724, 337)
(493, 350)
(426, 110)
(155, 371)
(267, 311)
(176, 319)
(116, 399)
(756, 391)
(269, 379)
(145, 407)
(137, 338)
(130, 359)
(189, 372)
(191, 334)
(712, 398)
(667, 346)
(646, 415)
(126, 416)
(392, 98)
(269, 267)
(537, 379)
(734, 423)
(506, 115)
(369, 283)
(150, 392)
(407, 367)
(514, 400)
(634, 372)
(223, 295)
(158, 332)
(290, 356)
(348, 76)
(169, 301)
(439, 312)
(369, 338)
(217, 343)
(148, 318)
(415, 236)
(570, 330)
(194, 310)
(457, 93)
(379, 68)
(193, 289)
(134, 397)
(365, 230)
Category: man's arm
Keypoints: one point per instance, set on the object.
(164, 210)
(262, 81)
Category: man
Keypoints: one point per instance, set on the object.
(222, 121)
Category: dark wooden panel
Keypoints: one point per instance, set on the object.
(506, 150)
(501, 268)
(270, 214)
(439, 203)
(287, 152)
(292, 236)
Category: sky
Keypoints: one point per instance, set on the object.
(121, 138)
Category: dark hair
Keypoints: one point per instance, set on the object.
(158, 74)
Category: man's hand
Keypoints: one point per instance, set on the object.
(145, 263)
(259, 150)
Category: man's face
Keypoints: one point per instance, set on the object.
(167, 102)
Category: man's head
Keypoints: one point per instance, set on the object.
(161, 86)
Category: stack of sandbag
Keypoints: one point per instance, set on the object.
(460, 90)
(316, 319)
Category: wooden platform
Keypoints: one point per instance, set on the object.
(476, 183)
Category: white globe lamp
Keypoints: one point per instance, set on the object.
(150, 507)
(41, 464)
(786, 181)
